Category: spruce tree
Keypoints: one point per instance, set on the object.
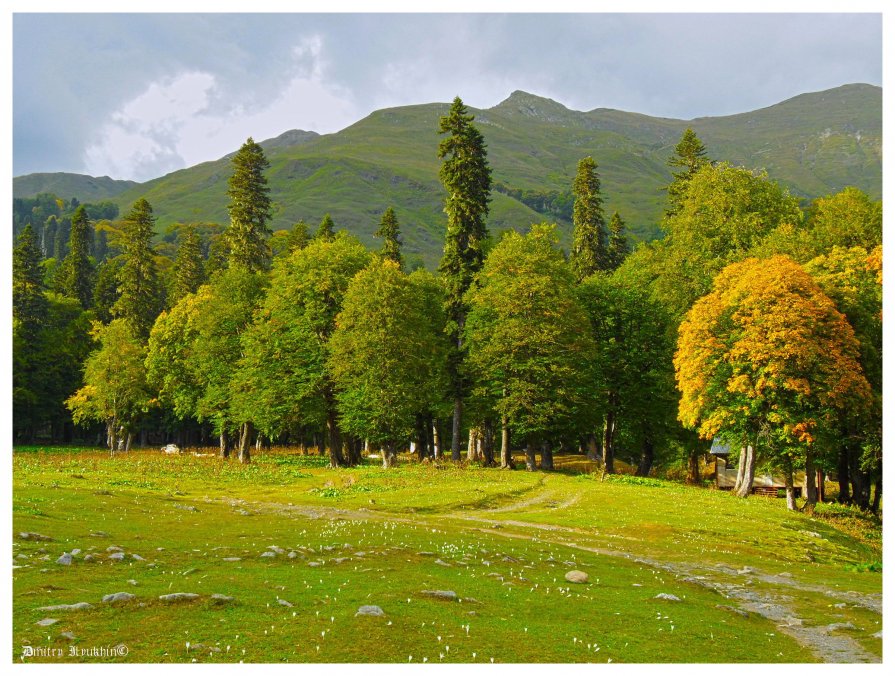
(140, 299)
(29, 305)
(689, 156)
(106, 294)
(189, 272)
(59, 244)
(466, 177)
(389, 231)
(589, 245)
(618, 248)
(326, 231)
(75, 278)
(249, 208)
(298, 237)
(49, 237)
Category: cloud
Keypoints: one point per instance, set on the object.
(191, 117)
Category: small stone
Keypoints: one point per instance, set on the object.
(114, 548)
(878, 634)
(243, 512)
(220, 598)
(46, 622)
(35, 537)
(314, 564)
(442, 563)
(100, 534)
(117, 556)
(137, 557)
(577, 577)
(284, 602)
(268, 555)
(440, 594)
(75, 552)
(667, 597)
(231, 558)
(745, 570)
(89, 557)
(178, 596)
(277, 550)
(785, 575)
(839, 606)
(73, 606)
(133, 583)
(67, 635)
(731, 609)
(64, 560)
(187, 508)
(190, 571)
(117, 597)
(836, 626)
(372, 611)
(292, 555)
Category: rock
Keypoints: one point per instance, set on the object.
(118, 597)
(190, 571)
(67, 635)
(100, 534)
(427, 553)
(667, 597)
(186, 508)
(442, 563)
(75, 552)
(268, 555)
(36, 537)
(132, 583)
(292, 555)
(137, 557)
(116, 556)
(731, 609)
(372, 611)
(220, 599)
(577, 576)
(171, 449)
(89, 557)
(64, 560)
(114, 548)
(836, 626)
(878, 634)
(787, 574)
(284, 602)
(243, 512)
(745, 570)
(277, 550)
(73, 606)
(178, 596)
(232, 558)
(439, 594)
(314, 564)
(46, 622)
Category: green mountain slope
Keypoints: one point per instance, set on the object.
(85, 188)
(814, 144)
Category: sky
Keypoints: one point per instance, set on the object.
(135, 96)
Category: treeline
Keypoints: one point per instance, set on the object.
(751, 321)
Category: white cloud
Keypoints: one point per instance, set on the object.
(190, 118)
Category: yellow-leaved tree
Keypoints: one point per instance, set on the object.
(766, 358)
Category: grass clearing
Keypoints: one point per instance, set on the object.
(501, 540)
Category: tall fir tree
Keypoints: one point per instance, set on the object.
(298, 237)
(326, 231)
(49, 237)
(466, 177)
(76, 276)
(189, 271)
(59, 244)
(689, 156)
(140, 301)
(249, 208)
(389, 231)
(589, 239)
(618, 248)
(105, 293)
(29, 305)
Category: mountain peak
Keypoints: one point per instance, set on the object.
(531, 105)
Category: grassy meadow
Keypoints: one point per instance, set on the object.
(754, 582)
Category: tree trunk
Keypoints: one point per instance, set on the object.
(488, 443)
(530, 459)
(546, 456)
(110, 436)
(143, 437)
(821, 485)
(225, 446)
(334, 440)
(693, 476)
(470, 449)
(646, 457)
(389, 455)
(860, 481)
(506, 458)
(436, 441)
(842, 476)
(609, 442)
(421, 442)
(593, 447)
(877, 495)
(748, 473)
(127, 444)
(787, 481)
(245, 443)
(455, 429)
(810, 478)
(741, 469)
(258, 444)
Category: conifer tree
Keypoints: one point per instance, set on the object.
(466, 177)
(618, 248)
(29, 304)
(589, 252)
(106, 294)
(75, 278)
(49, 237)
(389, 231)
(326, 231)
(689, 156)
(139, 302)
(189, 272)
(249, 208)
(298, 237)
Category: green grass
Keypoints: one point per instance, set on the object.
(507, 539)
